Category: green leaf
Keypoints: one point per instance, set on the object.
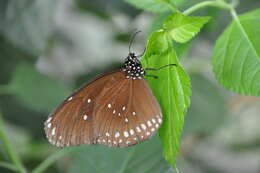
(236, 56)
(171, 88)
(180, 48)
(157, 6)
(182, 28)
(145, 157)
(157, 44)
(36, 90)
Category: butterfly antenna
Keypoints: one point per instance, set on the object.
(142, 53)
(132, 39)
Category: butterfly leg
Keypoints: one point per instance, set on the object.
(154, 76)
(159, 68)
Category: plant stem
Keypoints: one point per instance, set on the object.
(9, 149)
(235, 17)
(215, 3)
(8, 166)
(51, 159)
(172, 6)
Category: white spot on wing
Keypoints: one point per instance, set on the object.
(70, 99)
(109, 105)
(143, 126)
(53, 131)
(160, 120)
(117, 134)
(134, 113)
(114, 111)
(132, 131)
(49, 120)
(156, 125)
(85, 117)
(148, 133)
(153, 120)
(138, 129)
(126, 134)
(149, 123)
(107, 134)
(126, 120)
(49, 125)
(123, 108)
(89, 100)
(153, 129)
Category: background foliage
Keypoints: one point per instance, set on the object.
(48, 48)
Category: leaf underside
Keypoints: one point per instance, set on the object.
(145, 157)
(236, 56)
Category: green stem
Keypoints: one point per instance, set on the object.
(4, 89)
(51, 159)
(235, 17)
(8, 166)
(9, 149)
(216, 3)
(172, 6)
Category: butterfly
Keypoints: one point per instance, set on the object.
(116, 109)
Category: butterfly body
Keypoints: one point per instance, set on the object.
(116, 109)
(133, 67)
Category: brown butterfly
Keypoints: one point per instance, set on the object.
(117, 109)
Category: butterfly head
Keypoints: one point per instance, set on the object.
(133, 67)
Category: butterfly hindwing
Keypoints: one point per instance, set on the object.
(147, 110)
(127, 114)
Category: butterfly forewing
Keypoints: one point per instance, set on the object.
(72, 122)
(64, 127)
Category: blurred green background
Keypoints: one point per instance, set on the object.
(49, 48)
